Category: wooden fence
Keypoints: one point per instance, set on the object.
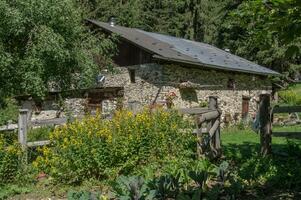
(24, 124)
(208, 138)
(266, 116)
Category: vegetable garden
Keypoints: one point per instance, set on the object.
(151, 155)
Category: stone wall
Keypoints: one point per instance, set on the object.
(50, 109)
(154, 82)
(70, 107)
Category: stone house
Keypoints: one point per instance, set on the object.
(157, 69)
(160, 70)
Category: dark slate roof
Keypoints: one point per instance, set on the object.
(180, 50)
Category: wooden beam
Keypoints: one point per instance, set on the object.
(194, 111)
(208, 116)
(22, 127)
(202, 130)
(9, 127)
(55, 121)
(215, 127)
(265, 124)
(22, 133)
(38, 143)
(287, 109)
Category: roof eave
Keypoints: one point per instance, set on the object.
(214, 66)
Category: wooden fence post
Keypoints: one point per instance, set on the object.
(22, 132)
(265, 125)
(216, 140)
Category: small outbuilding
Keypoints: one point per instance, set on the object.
(153, 69)
(161, 70)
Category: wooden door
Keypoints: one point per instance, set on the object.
(245, 107)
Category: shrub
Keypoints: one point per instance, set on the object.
(290, 97)
(96, 148)
(39, 134)
(203, 182)
(9, 161)
(8, 111)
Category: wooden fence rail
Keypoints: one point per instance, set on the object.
(24, 124)
(286, 109)
(208, 139)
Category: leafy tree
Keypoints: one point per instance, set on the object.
(268, 32)
(44, 45)
(193, 19)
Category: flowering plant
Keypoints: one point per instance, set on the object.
(100, 149)
(169, 99)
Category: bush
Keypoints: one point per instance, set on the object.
(9, 161)
(8, 111)
(95, 148)
(290, 97)
(198, 180)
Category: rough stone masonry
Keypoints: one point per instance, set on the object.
(153, 82)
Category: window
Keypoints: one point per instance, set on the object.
(132, 75)
(231, 84)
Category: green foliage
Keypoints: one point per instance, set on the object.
(82, 195)
(94, 148)
(251, 171)
(166, 186)
(9, 161)
(267, 32)
(174, 186)
(132, 188)
(43, 45)
(11, 190)
(39, 134)
(291, 96)
(8, 111)
(198, 20)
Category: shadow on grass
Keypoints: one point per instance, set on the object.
(277, 174)
(287, 134)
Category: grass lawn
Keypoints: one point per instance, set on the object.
(273, 177)
(236, 136)
(244, 143)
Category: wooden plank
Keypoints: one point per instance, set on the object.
(292, 135)
(55, 121)
(214, 128)
(203, 131)
(9, 127)
(38, 143)
(22, 127)
(286, 109)
(194, 111)
(208, 116)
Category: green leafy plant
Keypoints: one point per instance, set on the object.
(101, 149)
(132, 188)
(82, 195)
(9, 161)
(203, 104)
(41, 41)
(39, 134)
(8, 111)
(166, 186)
(290, 97)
